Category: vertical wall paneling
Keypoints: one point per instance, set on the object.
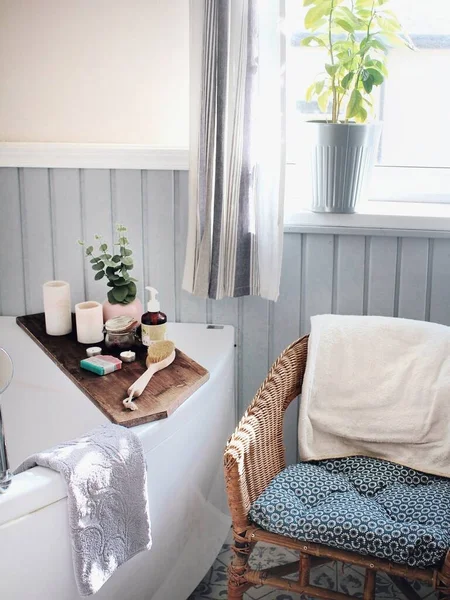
(12, 285)
(159, 237)
(412, 299)
(440, 282)
(67, 229)
(37, 235)
(381, 275)
(285, 327)
(189, 308)
(126, 194)
(44, 212)
(349, 275)
(317, 277)
(255, 347)
(96, 210)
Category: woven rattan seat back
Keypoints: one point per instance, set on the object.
(259, 438)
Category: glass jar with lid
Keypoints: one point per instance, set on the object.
(120, 333)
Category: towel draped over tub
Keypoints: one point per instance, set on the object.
(380, 387)
(107, 500)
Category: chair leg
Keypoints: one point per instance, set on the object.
(237, 583)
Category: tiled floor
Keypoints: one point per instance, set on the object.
(333, 576)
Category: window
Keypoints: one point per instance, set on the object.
(414, 104)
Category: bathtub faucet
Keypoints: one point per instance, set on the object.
(6, 373)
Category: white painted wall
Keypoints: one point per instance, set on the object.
(106, 71)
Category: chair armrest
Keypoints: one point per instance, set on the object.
(255, 452)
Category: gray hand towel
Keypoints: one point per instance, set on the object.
(107, 500)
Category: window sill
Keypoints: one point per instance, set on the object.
(376, 218)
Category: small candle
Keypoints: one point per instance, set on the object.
(93, 351)
(58, 316)
(89, 319)
(128, 356)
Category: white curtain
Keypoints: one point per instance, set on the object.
(237, 148)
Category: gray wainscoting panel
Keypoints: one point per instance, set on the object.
(44, 212)
(12, 277)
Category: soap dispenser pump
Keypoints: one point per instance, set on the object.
(153, 322)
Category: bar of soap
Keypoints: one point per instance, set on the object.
(101, 365)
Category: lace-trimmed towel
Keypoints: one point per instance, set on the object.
(107, 500)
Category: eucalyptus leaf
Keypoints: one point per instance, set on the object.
(104, 247)
(121, 282)
(99, 275)
(89, 250)
(94, 260)
(99, 265)
(116, 258)
(127, 261)
(120, 293)
(111, 298)
(132, 288)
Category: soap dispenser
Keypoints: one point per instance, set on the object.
(153, 322)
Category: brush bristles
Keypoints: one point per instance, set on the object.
(158, 351)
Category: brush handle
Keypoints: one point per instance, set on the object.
(140, 384)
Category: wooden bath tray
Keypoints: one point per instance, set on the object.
(166, 391)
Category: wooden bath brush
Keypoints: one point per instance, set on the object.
(159, 356)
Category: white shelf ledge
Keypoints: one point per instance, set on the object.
(93, 156)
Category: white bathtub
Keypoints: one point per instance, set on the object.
(190, 521)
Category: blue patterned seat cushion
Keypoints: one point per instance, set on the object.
(360, 504)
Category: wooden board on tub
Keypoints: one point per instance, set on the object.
(167, 390)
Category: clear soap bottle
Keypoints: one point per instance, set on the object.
(153, 322)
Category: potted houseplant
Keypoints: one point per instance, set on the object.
(116, 267)
(355, 35)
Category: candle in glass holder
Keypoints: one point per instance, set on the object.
(58, 316)
(89, 319)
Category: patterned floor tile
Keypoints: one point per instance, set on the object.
(333, 576)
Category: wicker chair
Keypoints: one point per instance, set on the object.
(253, 457)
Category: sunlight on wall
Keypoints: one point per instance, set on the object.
(108, 71)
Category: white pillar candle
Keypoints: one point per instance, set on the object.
(89, 319)
(58, 316)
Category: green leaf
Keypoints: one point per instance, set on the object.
(89, 250)
(110, 284)
(344, 13)
(125, 274)
(111, 298)
(377, 77)
(127, 261)
(99, 275)
(104, 247)
(116, 258)
(308, 2)
(112, 270)
(319, 87)
(367, 83)
(354, 104)
(309, 92)
(126, 252)
(361, 115)
(388, 24)
(345, 25)
(129, 267)
(331, 69)
(120, 293)
(121, 282)
(394, 40)
(98, 266)
(322, 100)
(312, 38)
(110, 264)
(123, 241)
(132, 289)
(313, 17)
(94, 260)
(346, 80)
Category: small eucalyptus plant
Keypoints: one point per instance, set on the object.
(115, 267)
(356, 35)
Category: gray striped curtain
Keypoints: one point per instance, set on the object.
(237, 157)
